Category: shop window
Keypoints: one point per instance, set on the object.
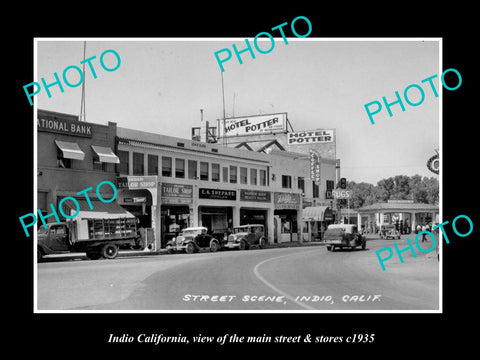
(225, 174)
(243, 175)
(192, 169)
(122, 167)
(42, 200)
(152, 164)
(98, 165)
(286, 181)
(204, 171)
(330, 184)
(263, 178)
(138, 164)
(233, 174)
(64, 163)
(166, 166)
(180, 168)
(216, 172)
(301, 184)
(315, 189)
(253, 176)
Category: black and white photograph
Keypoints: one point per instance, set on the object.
(225, 182)
(255, 175)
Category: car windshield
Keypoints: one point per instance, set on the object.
(191, 232)
(42, 230)
(240, 229)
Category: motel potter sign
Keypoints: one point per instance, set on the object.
(76, 128)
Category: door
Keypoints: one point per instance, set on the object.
(58, 237)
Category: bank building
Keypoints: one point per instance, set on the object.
(258, 173)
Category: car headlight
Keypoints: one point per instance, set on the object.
(180, 240)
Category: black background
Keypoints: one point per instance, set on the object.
(63, 335)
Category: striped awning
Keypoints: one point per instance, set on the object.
(70, 150)
(314, 213)
(105, 154)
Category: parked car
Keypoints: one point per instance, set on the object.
(389, 232)
(245, 236)
(343, 235)
(192, 240)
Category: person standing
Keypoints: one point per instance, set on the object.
(424, 228)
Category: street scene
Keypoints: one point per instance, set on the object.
(304, 180)
(302, 278)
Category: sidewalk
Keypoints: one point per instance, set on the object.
(132, 253)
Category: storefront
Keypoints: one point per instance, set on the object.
(286, 217)
(215, 209)
(254, 208)
(176, 210)
(315, 221)
(138, 195)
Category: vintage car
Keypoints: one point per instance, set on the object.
(343, 235)
(192, 240)
(389, 232)
(245, 236)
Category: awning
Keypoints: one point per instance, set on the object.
(316, 213)
(105, 154)
(70, 150)
(100, 209)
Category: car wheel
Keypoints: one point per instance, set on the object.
(170, 251)
(39, 255)
(190, 248)
(333, 248)
(261, 243)
(364, 245)
(109, 251)
(329, 248)
(213, 245)
(243, 245)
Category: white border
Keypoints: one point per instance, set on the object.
(386, 39)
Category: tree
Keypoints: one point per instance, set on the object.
(399, 187)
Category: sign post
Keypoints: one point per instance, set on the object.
(344, 194)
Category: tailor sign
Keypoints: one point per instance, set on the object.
(137, 182)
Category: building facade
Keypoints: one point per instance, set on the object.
(171, 183)
(72, 156)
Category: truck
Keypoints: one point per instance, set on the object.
(98, 238)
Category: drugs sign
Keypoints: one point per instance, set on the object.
(342, 194)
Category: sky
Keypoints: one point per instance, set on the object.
(161, 85)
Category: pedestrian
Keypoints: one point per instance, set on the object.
(418, 229)
(424, 228)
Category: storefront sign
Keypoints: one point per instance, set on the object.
(314, 165)
(286, 201)
(253, 125)
(177, 193)
(309, 137)
(216, 194)
(76, 128)
(137, 182)
(254, 195)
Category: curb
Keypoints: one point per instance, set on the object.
(133, 253)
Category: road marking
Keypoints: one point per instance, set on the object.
(273, 287)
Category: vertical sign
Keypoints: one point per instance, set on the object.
(314, 165)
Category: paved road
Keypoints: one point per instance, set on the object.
(298, 278)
